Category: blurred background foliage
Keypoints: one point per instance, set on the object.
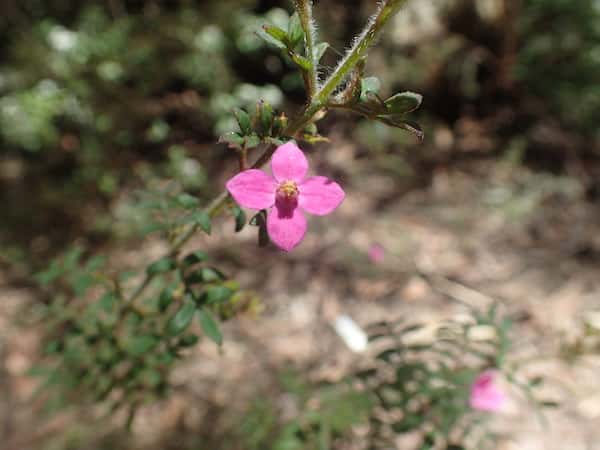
(104, 103)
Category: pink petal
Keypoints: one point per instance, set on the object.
(320, 195)
(486, 395)
(253, 189)
(286, 225)
(289, 163)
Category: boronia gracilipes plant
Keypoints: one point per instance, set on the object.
(119, 345)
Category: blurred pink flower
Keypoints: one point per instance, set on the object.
(287, 193)
(376, 253)
(486, 395)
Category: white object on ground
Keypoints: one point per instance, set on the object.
(352, 335)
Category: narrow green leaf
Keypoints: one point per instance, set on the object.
(138, 345)
(232, 139)
(50, 274)
(295, 32)
(201, 219)
(258, 218)
(165, 298)
(265, 117)
(243, 120)
(403, 103)
(251, 141)
(188, 340)
(187, 201)
(240, 218)
(275, 32)
(107, 301)
(263, 236)
(217, 294)
(274, 36)
(163, 265)
(194, 258)
(398, 122)
(369, 85)
(301, 62)
(182, 318)
(209, 325)
(205, 275)
(210, 274)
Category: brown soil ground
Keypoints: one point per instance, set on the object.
(476, 234)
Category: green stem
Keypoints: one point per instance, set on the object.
(359, 49)
(304, 9)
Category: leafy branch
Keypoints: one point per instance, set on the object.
(318, 102)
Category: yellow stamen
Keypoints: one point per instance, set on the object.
(288, 189)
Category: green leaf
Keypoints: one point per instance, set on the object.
(209, 325)
(243, 120)
(182, 318)
(72, 257)
(263, 236)
(163, 265)
(397, 121)
(201, 219)
(107, 301)
(138, 345)
(210, 274)
(194, 258)
(165, 298)
(187, 201)
(188, 340)
(50, 274)
(265, 117)
(217, 294)
(204, 275)
(295, 32)
(311, 128)
(403, 103)
(251, 141)
(240, 218)
(320, 50)
(275, 32)
(369, 86)
(301, 62)
(274, 36)
(260, 220)
(232, 139)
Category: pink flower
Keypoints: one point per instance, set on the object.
(376, 253)
(486, 395)
(288, 194)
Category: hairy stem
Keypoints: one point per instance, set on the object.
(304, 9)
(358, 51)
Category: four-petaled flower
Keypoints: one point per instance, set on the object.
(486, 395)
(287, 193)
